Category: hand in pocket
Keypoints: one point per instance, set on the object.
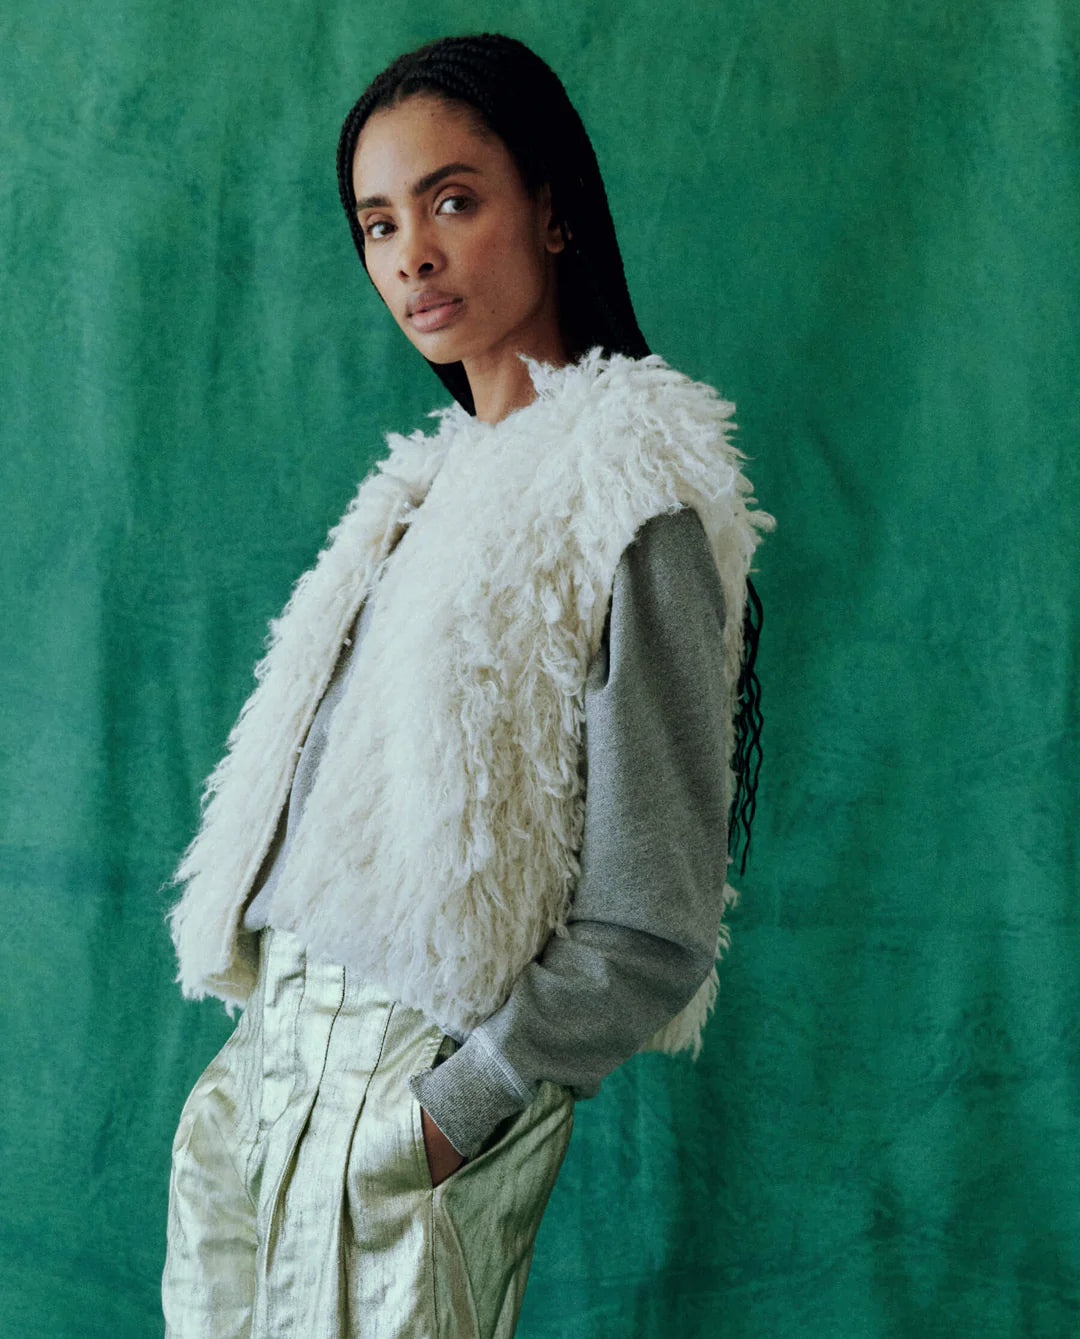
(442, 1157)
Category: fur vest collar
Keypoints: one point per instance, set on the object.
(439, 846)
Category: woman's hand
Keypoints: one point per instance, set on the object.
(443, 1158)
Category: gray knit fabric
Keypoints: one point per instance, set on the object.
(647, 905)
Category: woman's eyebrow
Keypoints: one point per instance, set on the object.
(419, 187)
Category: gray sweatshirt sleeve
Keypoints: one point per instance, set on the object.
(647, 905)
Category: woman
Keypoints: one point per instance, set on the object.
(438, 944)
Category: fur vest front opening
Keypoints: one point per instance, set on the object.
(438, 848)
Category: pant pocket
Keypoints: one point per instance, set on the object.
(203, 1085)
(487, 1213)
(210, 1239)
(444, 1047)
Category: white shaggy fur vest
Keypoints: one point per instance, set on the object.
(438, 849)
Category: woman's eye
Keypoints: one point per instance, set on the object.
(461, 204)
(463, 200)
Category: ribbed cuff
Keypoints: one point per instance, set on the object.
(470, 1092)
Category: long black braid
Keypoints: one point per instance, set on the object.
(515, 95)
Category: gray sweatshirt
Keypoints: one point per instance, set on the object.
(647, 905)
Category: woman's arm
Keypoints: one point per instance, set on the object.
(647, 907)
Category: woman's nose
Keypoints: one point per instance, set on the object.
(419, 253)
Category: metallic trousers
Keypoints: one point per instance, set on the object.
(300, 1200)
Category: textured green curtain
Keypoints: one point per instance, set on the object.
(860, 221)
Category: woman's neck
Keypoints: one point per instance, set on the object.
(501, 383)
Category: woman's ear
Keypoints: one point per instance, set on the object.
(556, 232)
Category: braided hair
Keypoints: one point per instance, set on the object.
(510, 92)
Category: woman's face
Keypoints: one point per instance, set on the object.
(455, 247)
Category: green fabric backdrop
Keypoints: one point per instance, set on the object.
(860, 221)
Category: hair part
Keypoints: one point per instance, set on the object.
(510, 92)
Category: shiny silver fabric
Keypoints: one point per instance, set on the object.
(300, 1201)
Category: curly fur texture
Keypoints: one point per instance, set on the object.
(438, 848)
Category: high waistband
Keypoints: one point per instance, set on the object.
(283, 955)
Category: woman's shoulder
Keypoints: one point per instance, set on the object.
(670, 551)
(673, 530)
(617, 384)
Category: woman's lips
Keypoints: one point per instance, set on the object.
(434, 318)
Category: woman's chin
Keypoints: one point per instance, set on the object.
(437, 347)
(437, 357)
